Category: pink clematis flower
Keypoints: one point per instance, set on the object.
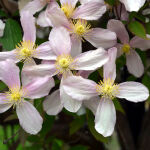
(133, 60)
(63, 63)
(133, 5)
(105, 114)
(26, 50)
(29, 117)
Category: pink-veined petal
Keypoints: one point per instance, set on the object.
(71, 2)
(52, 103)
(92, 104)
(68, 102)
(105, 117)
(79, 88)
(110, 66)
(137, 42)
(39, 87)
(119, 49)
(29, 117)
(60, 41)
(44, 51)
(76, 46)
(33, 6)
(9, 73)
(99, 37)
(133, 91)
(91, 60)
(4, 105)
(90, 11)
(134, 64)
(86, 1)
(28, 25)
(119, 28)
(133, 5)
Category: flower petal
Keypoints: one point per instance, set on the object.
(92, 104)
(90, 11)
(133, 5)
(133, 91)
(79, 88)
(91, 60)
(52, 103)
(9, 73)
(39, 87)
(69, 103)
(44, 51)
(60, 41)
(119, 28)
(134, 64)
(29, 118)
(85, 1)
(105, 118)
(33, 6)
(99, 37)
(110, 66)
(28, 25)
(72, 2)
(137, 42)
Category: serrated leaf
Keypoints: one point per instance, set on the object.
(12, 35)
(137, 29)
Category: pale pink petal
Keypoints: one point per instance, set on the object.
(4, 105)
(133, 91)
(9, 73)
(92, 104)
(84, 73)
(9, 55)
(60, 40)
(71, 2)
(119, 49)
(76, 46)
(86, 1)
(134, 64)
(56, 16)
(133, 5)
(79, 88)
(29, 117)
(44, 51)
(91, 60)
(110, 66)
(68, 102)
(43, 21)
(99, 37)
(52, 103)
(105, 117)
(39, 87)
(90, 11)
(119, 28)
(28, 25)
(33, 6)
(137, 42)
(41, 70)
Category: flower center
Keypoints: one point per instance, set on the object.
(64, 64)
(107, 88)
(26, 50)
(67, 9)
(126, 48)
(81, 28)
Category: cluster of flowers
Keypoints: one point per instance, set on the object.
(62, 56)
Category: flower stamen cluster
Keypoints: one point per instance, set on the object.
(126, 48)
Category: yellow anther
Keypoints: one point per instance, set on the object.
(126, 48)
(107, 88)
(67, 9)
(64, 62)
(15, 96)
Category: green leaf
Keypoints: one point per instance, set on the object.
(76, 124)
(12, 35)
(90, 120)
(79, 147)
(2, 86)
(137, 29)
(118, 106)
(57, 144)
(145, 81)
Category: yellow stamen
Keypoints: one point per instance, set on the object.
(67, 9)
(107, 88)
(64, 64)
(126, 48)
(26, 50)
(80, 28)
